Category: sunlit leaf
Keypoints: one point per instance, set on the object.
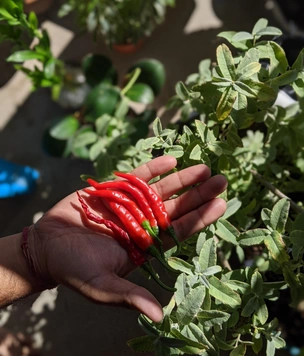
(222, 292)
(190, 306)
(276, 247)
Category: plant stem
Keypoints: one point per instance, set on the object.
(276, 191)
(224, 262)
(131, 82)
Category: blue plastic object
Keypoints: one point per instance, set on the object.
(16, 179)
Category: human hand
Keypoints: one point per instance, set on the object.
(81, 255)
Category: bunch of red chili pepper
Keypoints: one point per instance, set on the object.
(142, 213)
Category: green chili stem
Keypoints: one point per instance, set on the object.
(148, 268)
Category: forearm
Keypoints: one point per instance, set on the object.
(16, 278)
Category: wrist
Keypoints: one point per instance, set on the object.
(34, 253)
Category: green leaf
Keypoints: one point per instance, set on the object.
(225, 61)
(157, 127)
(64, 128)
(181, 265)
(228, 35)
(182, 91)
(263, 91)
(256, 282)
(260, 25)
(102, 124)
(265, 215)
(21, 56)
(176, 151)
(238, 286)
(253, 237)
(262, 311)
(279, 343)
(196, 153)
(84, 139)
(207, 256)
(189, 307)
(257, 344)
(250, 306)
(210, 318)
(142, 343)
(219, 290)
(297, 237)
(212, 270)
(244, 89)
(33, 20)
(226, 231)
(233, 205)
(240, 350)
(298, 223)
(249, 70)
(279, 215)
(124, 166)
(140, 93)
(97, 148)
(269, 31)
(270, 348)
(276, 247)
(172, 342)
(190, 338)
(104, 165)
(242, 36)
(122, 108)
(299, 62)
(206, 135)
(284, 79)
(225, 104)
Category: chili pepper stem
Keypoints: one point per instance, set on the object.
(171, 232)
(154, 252)
(148, 268)
(146, 225)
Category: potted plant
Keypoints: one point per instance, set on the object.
(235, 275)
(106, 129)
(123, 24)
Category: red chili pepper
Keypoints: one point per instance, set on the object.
(156, 204)
(136, 255)
(123, 199)
(136, 194)
(143, 240)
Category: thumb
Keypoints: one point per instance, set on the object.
(123, 292)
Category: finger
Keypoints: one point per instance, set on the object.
(198, 219)
(155, 167)
(194, 198)
(122, 292)
(175, 182)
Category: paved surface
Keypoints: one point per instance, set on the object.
(64, 323)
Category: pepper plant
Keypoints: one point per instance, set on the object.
(233, 271)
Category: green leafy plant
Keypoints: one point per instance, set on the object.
(118, 22)
(30, 43)
(233, 271)
(106, 129)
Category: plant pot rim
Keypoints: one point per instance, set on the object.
(127, 48)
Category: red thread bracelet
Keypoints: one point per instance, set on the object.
(30, 261)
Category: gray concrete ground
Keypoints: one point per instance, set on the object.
(64, 323)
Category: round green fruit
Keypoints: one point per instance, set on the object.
(152, 73)
(102, 99)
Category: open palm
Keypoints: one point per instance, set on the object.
(83, 256)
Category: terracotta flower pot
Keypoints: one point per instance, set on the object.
(37, 6)
(128, 48)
